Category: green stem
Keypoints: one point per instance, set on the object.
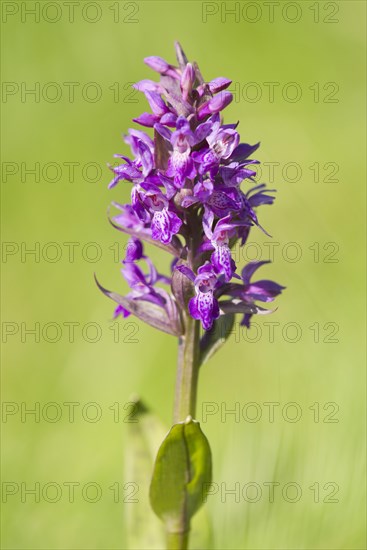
(177, 541)
(185, 402)
(187, 371)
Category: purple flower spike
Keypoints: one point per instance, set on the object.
(190, 196)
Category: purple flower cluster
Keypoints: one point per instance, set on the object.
(186, 198)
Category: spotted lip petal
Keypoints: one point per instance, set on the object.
(222, 261)
(204, 307)
(165, 225)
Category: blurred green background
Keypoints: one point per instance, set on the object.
(315, 357)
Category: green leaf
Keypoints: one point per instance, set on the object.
(216, 337)
(144, 435)
(182, 474)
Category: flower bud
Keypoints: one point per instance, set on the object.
(156, 103)
(215, 105)
(157, 64)
(147, 86)
(219, 84)
(161, 66)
